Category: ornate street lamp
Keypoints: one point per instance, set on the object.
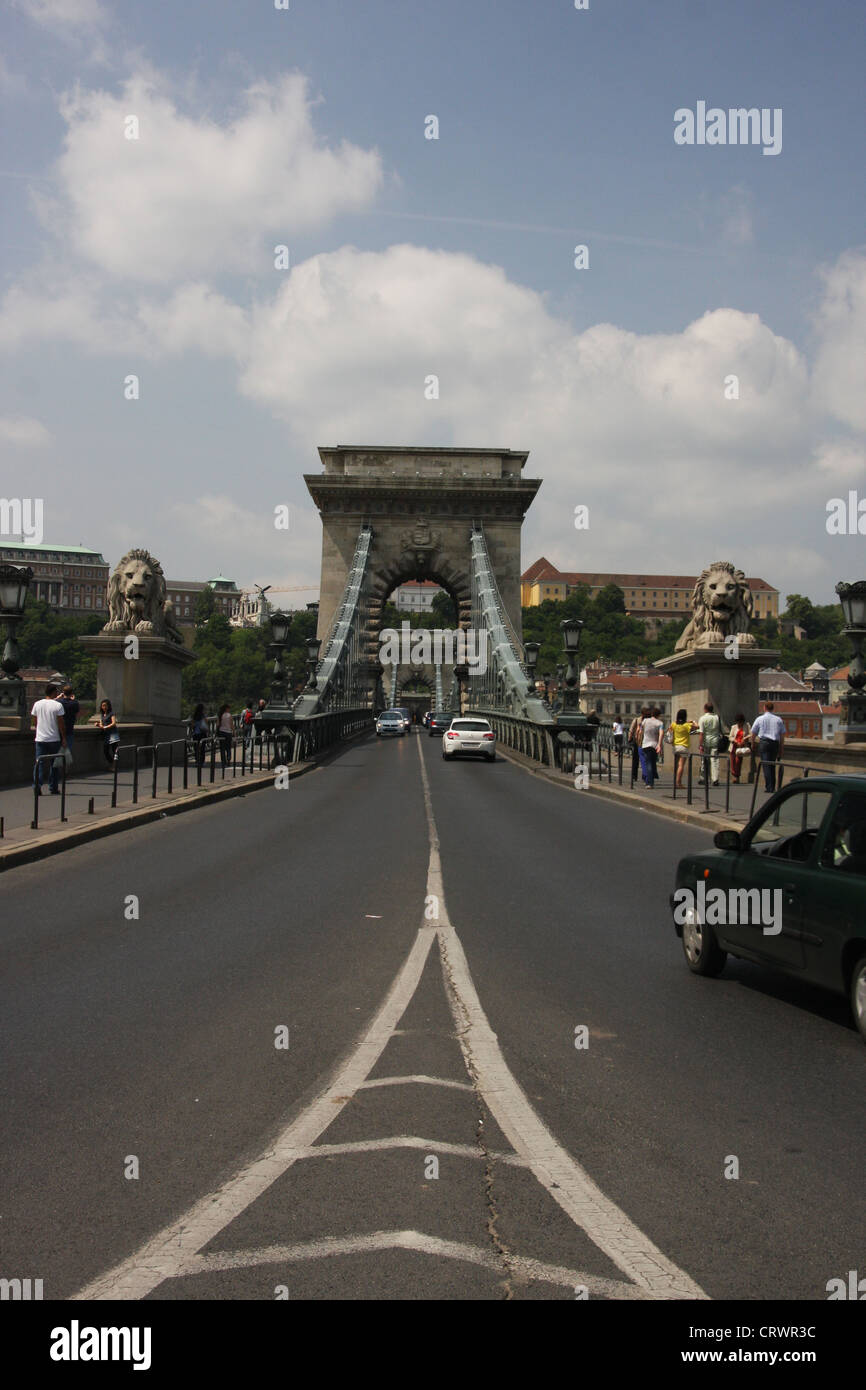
(571, 715)
(313, 645)
(530, 660)
(14, 582)
(278, 709)
(852, 727)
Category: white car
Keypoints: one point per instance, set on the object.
(390, 723)
(472, 735)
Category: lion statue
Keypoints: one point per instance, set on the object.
(137, 598)
(723, 607)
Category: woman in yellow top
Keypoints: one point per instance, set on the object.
(680, 731)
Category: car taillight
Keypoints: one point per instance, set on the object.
(488, 735)
(450, 735)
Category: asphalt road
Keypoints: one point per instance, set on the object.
(152, 1042)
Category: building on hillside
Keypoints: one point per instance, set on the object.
(71, 579)
(817, 678)
(35, 679)
(609, 694)
(654, 598)
(416, 596)
(776, 684)
(838, 683)
(251, 610)
(184, 595)
(808, 718)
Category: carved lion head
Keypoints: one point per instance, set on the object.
(137, 587)
(722, 599)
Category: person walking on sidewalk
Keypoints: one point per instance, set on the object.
(652, 730)
(739, 737)
(111, 736)
(634, 741)
(50, 727)
(768, 734)
(681, 731)
(710, 726)
(225, 729)
(70, 712)
(199, 733)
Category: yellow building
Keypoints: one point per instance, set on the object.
(655, 597)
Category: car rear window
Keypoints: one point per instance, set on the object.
(471, 725)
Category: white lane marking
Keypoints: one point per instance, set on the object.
(414, 1080)
(161, 1257)
(410, 1240)
(409, 1141)
(566, 1181)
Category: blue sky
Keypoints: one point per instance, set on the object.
(452, 256)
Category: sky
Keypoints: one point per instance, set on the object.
(696, 381)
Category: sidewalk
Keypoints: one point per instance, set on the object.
(21, 844)
(661, 799)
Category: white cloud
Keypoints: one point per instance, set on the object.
(191, 196)
(841, 324)
(247, 543)
(24, 432)
(64, 14)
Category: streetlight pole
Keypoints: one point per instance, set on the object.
(852, 727)
(571, 716)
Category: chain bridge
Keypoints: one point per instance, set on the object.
(391, 515)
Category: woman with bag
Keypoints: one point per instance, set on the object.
(111, 734)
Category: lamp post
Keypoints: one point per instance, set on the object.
(14, 582)
(852, 727)
(277, 712)
(571, 716)
(313, 645)
(530, 660)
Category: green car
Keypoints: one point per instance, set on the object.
(788, 890)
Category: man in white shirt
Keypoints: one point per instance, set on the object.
(653, 729)
(768, 734)
(48, 717)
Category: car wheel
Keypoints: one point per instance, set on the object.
(704, 955)
(858, 995)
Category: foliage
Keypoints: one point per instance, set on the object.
(608, 632)
(47, 638)
(233, 664)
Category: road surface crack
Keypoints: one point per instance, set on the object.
(462, 1025)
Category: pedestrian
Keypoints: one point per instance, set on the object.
(680, 732)
(111, 736)
(634, 742)
(225, 729)
(652, 732)
(248, 726)
(49, 724)
(739, 742)
(70, 712)
(768, 734)
(617, 734)
(199, 733)
(710, 726)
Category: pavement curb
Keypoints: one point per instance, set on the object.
(699, 820)
(55, 842)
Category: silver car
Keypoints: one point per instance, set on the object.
(471, 735)
(390, 723)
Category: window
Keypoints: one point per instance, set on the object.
(86, 600)
(76, 600)
(792, 827)
(599, 707)
(616, 708)
(845, 845)
(628, 707)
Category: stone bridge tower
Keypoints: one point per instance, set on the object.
(421, 504)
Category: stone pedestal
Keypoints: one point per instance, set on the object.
(706, 675)
(145, 689)
(14, 709)
(852, 728)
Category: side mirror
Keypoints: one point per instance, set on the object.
(727, 839)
